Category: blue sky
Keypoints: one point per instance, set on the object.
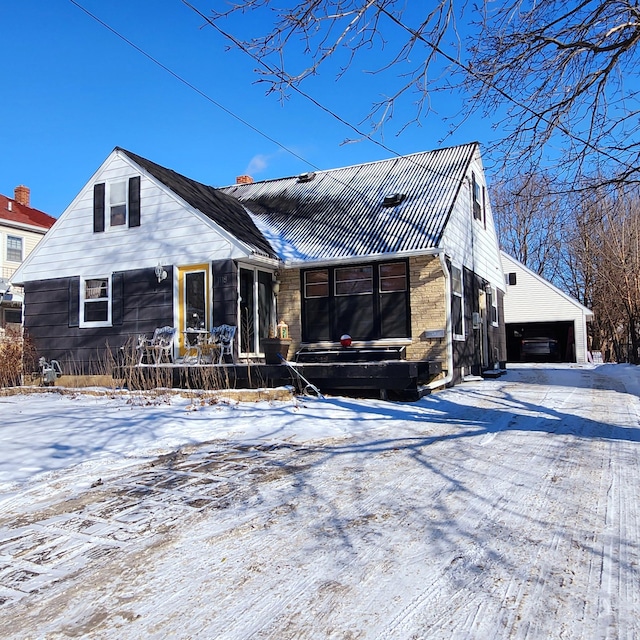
(73, 91)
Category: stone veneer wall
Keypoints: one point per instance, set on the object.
(289, 306)
(428, 311)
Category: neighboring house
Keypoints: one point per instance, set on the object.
(534, 309)
(21, 228)
(397, 253)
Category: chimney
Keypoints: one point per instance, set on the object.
(244, 180)
(22, 195)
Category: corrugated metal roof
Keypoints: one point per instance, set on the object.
(340, 212)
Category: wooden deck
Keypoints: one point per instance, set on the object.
(400, 379)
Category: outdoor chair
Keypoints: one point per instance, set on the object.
(157, 348)
(219, 343)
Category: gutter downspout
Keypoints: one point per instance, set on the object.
(440, 382)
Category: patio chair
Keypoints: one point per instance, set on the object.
(158, 347)
(220, 342)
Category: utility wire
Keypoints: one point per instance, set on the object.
(193, 87)
(281, 77)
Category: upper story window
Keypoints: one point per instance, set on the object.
(14, 249)
(95, 302)
(476, 195)
(116, 204)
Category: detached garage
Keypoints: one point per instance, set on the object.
(543, 324)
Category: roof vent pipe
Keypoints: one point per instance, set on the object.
(393, 199)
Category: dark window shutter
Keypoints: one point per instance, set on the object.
(98, 207)
(134, 201)
(74, 302)
(117, 299)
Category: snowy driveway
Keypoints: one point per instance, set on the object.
(498, 509)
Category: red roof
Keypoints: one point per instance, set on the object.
(24, 215)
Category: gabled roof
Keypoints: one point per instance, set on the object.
(13, 211)
(341, 213)
(214, 203)
(516, 263)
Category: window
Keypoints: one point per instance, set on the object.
(316, 283)
(354, 281)
(393, 277)
(116, 204)
(14, 249)
(457, 315)
(367, 301)
(494, 306)
(95, 302)
(257, 313)
(476, 197)
(510, 279)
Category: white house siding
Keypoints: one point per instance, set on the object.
(158, 239)
(469, 242)
(534, 299)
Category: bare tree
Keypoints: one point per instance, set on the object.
(558, 79)
(604, 255)
(530, 222)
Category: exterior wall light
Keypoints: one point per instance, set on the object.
(161, 274)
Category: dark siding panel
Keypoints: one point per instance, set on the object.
(98, 207)
(225, 292)
(73, 302)
(145, 306)
(117, 298)
(134, 201)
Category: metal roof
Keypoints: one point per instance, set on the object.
(341, 213)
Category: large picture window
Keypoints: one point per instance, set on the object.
(95, 302)
(368, 302)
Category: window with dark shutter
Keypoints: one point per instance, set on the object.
(98, 207)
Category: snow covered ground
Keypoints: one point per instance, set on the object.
(497, 509)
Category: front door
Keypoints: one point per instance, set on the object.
(194, 302)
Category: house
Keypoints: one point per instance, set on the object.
(21, 228)
(535, 309)
(399, 253)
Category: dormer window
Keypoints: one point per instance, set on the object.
(116, 204)
(393, 199)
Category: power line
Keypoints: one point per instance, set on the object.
(245, 122)
(294, 87)
(193, 87)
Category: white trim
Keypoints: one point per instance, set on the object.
(460, 337)
(313, 263)
(102, 323)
